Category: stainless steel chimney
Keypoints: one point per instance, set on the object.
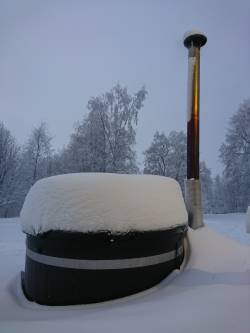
(193, 40)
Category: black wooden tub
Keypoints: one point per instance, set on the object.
(78, 268)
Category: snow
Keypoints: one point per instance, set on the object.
(231, 225)
(211, 294)
(192, 33)
(94, 201)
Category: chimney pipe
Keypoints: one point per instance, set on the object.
(193, 41)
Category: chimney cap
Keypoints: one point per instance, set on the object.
(195, 38)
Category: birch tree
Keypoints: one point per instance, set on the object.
(105, 140)
(36, 156)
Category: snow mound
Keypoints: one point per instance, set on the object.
(213, 252)
(118, 203)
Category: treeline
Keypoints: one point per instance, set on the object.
(104, 141)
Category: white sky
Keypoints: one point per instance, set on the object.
(56, 54)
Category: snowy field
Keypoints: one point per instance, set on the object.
(212, 294)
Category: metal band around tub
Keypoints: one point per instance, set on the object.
(103, 264)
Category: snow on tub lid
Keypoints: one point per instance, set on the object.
(90, 202)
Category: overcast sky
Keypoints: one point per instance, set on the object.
(55, 55)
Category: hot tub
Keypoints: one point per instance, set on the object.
(77, 253)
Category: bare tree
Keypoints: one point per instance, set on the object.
(104, 141)
(156, 155)
(8, 168)
(36, 156)
(166, 156)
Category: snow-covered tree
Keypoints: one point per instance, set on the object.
(57, 163)
(9, 161)
(36, 156)
(166, 156)
(104, 141)
(206, 187)
(235, 155)
(219, 204)
(156, 155)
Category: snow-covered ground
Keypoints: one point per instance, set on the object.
(230, 225)
(212, 294)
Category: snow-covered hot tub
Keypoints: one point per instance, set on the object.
(93, 237)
